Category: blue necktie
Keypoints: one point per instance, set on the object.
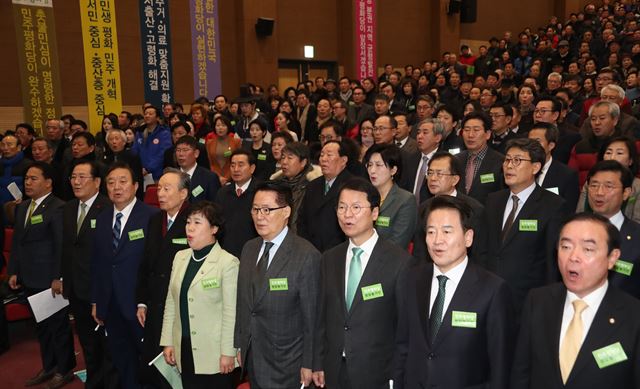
(117, 227)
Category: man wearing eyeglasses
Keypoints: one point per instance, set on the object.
(627, 124)
(358, 109)
(278, 286)
(359, 298)
(501, 115)
(521, 223)
(548, 109)
(609, 184)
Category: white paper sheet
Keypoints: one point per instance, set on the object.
(44, 304)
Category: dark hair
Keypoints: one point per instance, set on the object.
(179, 124)
(27, 127)
(613, 235)
(626, 177)
(382, 96)
(551, 132)
(46, 169)
(67, 116)
(95, 171)
(451, 110)
(342, 151)
(337, 127)
(454, 163)
(88, 137)
(556, 103)
(223, 96)
(210, 210)
(121, 165)
(262, 124)
(359, 184)
(284, 197)
(249, 154)
(506, 108)
(483, 117)
(391, 156)
(532, 147)
(48, 142)
(82, 124)
(281, 134)
(157, 111)
(453, 203)
(298, 149)
(187, 140)
(225, 120)
(631, 147)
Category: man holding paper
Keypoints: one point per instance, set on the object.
(35, 264)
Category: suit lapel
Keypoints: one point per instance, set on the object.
(124, 235)
(208, 265)
(554, 314)
(528, 211)
(39, 210)
(277, 264)
(423, 297)
(340, 268)
(370, 275)
(92, 212)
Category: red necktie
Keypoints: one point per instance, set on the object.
(239, 192)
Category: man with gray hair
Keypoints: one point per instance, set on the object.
(554, 81)
(627, 124)
(55, 134)
(429, 136)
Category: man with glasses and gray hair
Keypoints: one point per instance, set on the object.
(627, 124)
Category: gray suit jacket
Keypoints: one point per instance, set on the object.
(410, 146)
(278, 325)
(398, 216)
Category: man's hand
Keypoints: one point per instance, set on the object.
(56, 287)
(226, 364)
(318, 378)
(169, 355)
(95, 315)
(142, 315)
(305, 376)
(13, 282)
(239, 357)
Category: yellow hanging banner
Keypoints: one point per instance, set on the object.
(101, 63)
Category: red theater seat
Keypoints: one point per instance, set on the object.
(151, 196)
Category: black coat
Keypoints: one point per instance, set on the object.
(238, 227)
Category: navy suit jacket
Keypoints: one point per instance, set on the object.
(115, 274)
(563, 181)
(204, 185)
(630, 248)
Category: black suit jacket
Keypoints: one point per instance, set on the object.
(366, 332)
(630, 252)
(563, 180)
(77, 247)
(204, 185)
(409, 173)
(458, 357)
(536, 364)
(526, 259)
(37, 246)
(490, 169)
(317, 219)
(238, 227)
(568, 138)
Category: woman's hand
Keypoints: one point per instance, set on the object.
(227, 364)
(169, 355)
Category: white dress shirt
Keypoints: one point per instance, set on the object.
(593, 300)
(243, 187)
(543, 171)
(617, 220)
(277, 242)
(454, 276)
(190, 171)
(88, 203)
(126, 212)
(415, 181)
(523, 196)
(367, 250)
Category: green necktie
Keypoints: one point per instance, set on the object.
(83, 214)
(326, 187)
(435, 320)
(355, 272)
(32, 207)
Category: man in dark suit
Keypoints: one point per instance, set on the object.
(235, 201)
(317, 221)
(121, 233)
(555, 176)
(609, 184)
(414, 170)
(584, 332)
(358, 109)
(548, 110)
(277, 295)
(166, 237)
(359, 297)
(482, 172)
(402, 138)
(443, 177)
(78, 228)
(501, 115)
(520, 224)
(35, 263)
(453, 310)
(204, 183)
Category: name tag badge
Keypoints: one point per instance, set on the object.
(609, 355)
(454, 151)
(202, 140)
(262, 157)
(487, 178)
(276, 284)
(412, 108)
(528, 225)
(179, 241)
(227, 153)
(197, 190)
(463, 319)
(93, 223)
(554, 190)
(383, 221)
(37, 219)
(372, 292)
(623, 267)
(210, 283)
(137, 234)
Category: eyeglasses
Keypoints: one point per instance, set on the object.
(606, 188)
(79, 178)
(541, 111)
(355, 208)
(438, 173)
(326, 137)
(496, 115)
(380, 128)
(265, 211)
(516, 161)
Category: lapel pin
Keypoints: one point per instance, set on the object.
(612, 320)
(628, 237)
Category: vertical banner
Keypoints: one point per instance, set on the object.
(156, 51)
(38, 60)
(205, 46)
(101, 64)
(365, 39)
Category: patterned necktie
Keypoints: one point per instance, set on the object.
(572, 340)
(510, 218)
(117, 228)
(169, 224)
(469, 172)
(355, 272)
(435, 320)
(239, 192)
(421, 176)
(261, 268)
(326, 187)
(83, 214)
(32, 207)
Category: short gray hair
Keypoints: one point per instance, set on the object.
(614, 109)
(613, 88)
(116, 131)
(438, 126)
(555, 74)
(185, 180)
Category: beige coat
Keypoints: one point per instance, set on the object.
(212, 309)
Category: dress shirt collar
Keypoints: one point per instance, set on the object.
(454, 274)
(617, 220)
